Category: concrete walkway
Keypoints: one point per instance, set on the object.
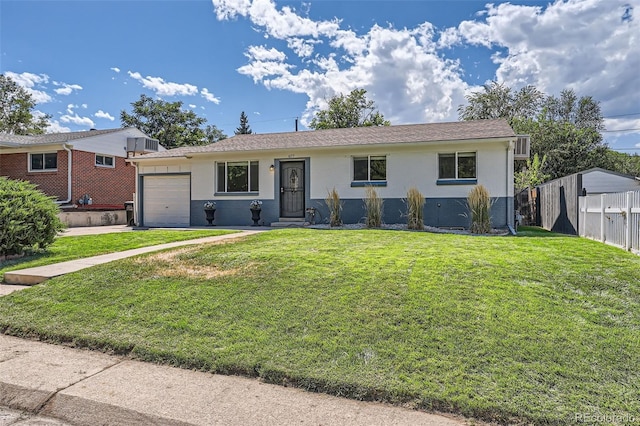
(32, 276)
(88, 388)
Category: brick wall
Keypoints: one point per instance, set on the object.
(105, 185)
(15, 166)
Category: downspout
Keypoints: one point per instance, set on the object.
(69, 162)
(136, 222)
(510, 214)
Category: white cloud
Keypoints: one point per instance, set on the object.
(584, 45)
(410, 73)
(302, 48)
(280, 24)
(192, 106)
(209, 96)
(55, 127)
(399, 68)
(115, 69)
(30, 81)
(70, 108)
(66, 89)
(77, 120)
(261, 53)
(102, 114)
(164, 88)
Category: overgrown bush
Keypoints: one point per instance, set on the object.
(28, 217)
(335, 208)
(373, 206)
(415, 209)
(479, 205)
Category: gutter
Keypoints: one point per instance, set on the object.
(69, 163)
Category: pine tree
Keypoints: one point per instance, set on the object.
(244, 128)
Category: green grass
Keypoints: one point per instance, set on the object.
(70, 248)
(529, 329)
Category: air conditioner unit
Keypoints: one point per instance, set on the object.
(139, 145)
(522, 147)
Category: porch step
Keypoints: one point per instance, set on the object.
(288, 224)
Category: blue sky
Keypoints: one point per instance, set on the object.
(85, 61)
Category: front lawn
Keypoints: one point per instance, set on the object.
(531, 329)
(70, 248)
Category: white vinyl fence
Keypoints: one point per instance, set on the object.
(612, 218)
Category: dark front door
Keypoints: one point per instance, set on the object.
(292, 189)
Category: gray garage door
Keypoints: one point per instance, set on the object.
(166, 200)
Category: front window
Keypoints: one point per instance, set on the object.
(238, 176)
(104, 160)
(459, 165)
(43, 162)
(370, 168)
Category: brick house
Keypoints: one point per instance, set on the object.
(76, 166)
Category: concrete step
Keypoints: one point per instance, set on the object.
(288, 224)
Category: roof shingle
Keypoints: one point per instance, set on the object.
(49, 138)
(400, 134)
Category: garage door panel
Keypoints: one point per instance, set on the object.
(166, 200)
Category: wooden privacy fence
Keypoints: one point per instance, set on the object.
(612, 218)
(557, 204)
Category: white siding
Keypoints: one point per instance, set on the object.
(406, 167)
(114, 144)
(410, 167)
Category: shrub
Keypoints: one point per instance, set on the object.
(335, 208)
(373, 205)
(415, 209)
(28, 217)
(479, 205)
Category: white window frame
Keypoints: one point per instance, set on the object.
(368, 157)
(104, 156)
(226, 175)
(44, 169)
(475, 155)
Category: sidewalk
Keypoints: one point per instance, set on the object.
(32, 276)
(88, 388)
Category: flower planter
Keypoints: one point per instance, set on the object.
(255, 216)
(210, 213)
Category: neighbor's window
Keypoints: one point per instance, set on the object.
(42, 162)
(104, 160)
(238, 176)
(459, 165)
(370, 168)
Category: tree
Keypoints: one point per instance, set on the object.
(353, 110)
(499, 101)
(166, 121)
(213, 134)
(623, 163)
(528, 178)
(16, 110)
(564, 130)
(532, 174)
(244, 128)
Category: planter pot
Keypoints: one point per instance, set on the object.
(210, 213)
(255, 216)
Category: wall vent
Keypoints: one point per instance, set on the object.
(522, 148)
